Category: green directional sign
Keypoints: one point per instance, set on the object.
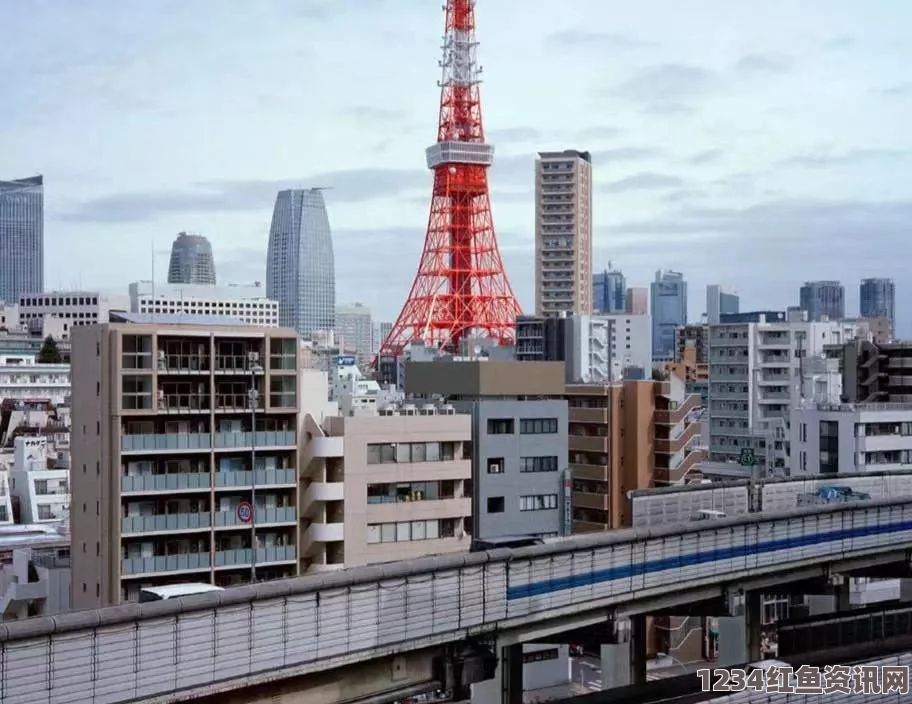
(747, 457)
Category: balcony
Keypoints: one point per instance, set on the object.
(144, 483)
(243, 557)
(183, 403)
(589, 443)
(595, 472)
(232, 364)
(320, 492)
(186, 562)
(585, 499)
(264, 477)
(588, 415)
(673, 416)
(323, 533)
(267, 438)
(166, 443)
(263, 517)
(327, 447)
(166, 523)
(669, 446)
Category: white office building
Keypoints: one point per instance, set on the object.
(758, 372)
(246, 304)
(23, 378)
(40, 481)
(841, 438)
(72, 307)
(599, 348)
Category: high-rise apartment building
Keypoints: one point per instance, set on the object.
(21, 238)
(379, 332)
(637, 301)
(757, 373)
(877, 299)
(823, 300)
(609, 292)
(668, 304)
(720, 302)
(184, 457)
(875, 372)
(300, 268)
(191, 261)
(563, 233)
(519, 440)
(355, 331)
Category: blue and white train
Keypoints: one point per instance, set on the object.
(211, 643)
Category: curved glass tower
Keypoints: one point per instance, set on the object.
(300, 269)
(21, 238)
(191, 261)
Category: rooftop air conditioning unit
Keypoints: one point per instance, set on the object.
(448, 410)
(428, 409)
(409, 409)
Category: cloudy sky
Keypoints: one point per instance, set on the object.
(753, 144)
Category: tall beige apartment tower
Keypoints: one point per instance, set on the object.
(563, 233)
(184, 456)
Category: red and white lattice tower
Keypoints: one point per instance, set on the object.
(461, 290)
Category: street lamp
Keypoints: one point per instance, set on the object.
(253, 397)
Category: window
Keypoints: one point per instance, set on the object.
(500, 426)
(41, 486)
(537, 426)
(495, 504)
(538, 502)
(410, 491)
(538, 464)
(282, 391)
(409, 531)
(495, 465)
(406, 452)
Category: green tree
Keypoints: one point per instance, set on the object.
(49, 352)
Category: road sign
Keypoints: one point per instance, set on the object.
(245, 512)
(747, 457)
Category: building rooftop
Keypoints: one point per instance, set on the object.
(484, 377)
(176, 319)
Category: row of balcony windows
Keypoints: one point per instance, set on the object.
(203, 480)
(207, 441)
(242, 557)
(193, 521)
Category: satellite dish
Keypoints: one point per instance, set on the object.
(477, 349)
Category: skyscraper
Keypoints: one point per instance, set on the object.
(668, 304)
(876, 298)
(191, 261)
(823, 299)
(354, 329)
(300, 269)
(719, 302)
(563, 233)
(637, 300)
(609, 292)
(21, 238)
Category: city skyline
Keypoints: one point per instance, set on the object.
(702, 140)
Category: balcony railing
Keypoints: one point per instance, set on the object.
(264, 477)
(165, 482)
(270, 438)
(183, 402)
(279, 553)
(264, 516)
(166, 563)
(160, 442)
(166, 522)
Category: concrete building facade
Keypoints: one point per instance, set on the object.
(720, 302)
(758, 372)
(184, 457)
(637, 301)
(563, 233)
(74, 308)
(627, 436)
(843, 438)
(389, 484)
(247, 304)
(354, 330)
(23, 378)
(519, 440)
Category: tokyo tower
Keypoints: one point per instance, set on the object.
(460, 290)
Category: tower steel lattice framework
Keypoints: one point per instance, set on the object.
(460, 290)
